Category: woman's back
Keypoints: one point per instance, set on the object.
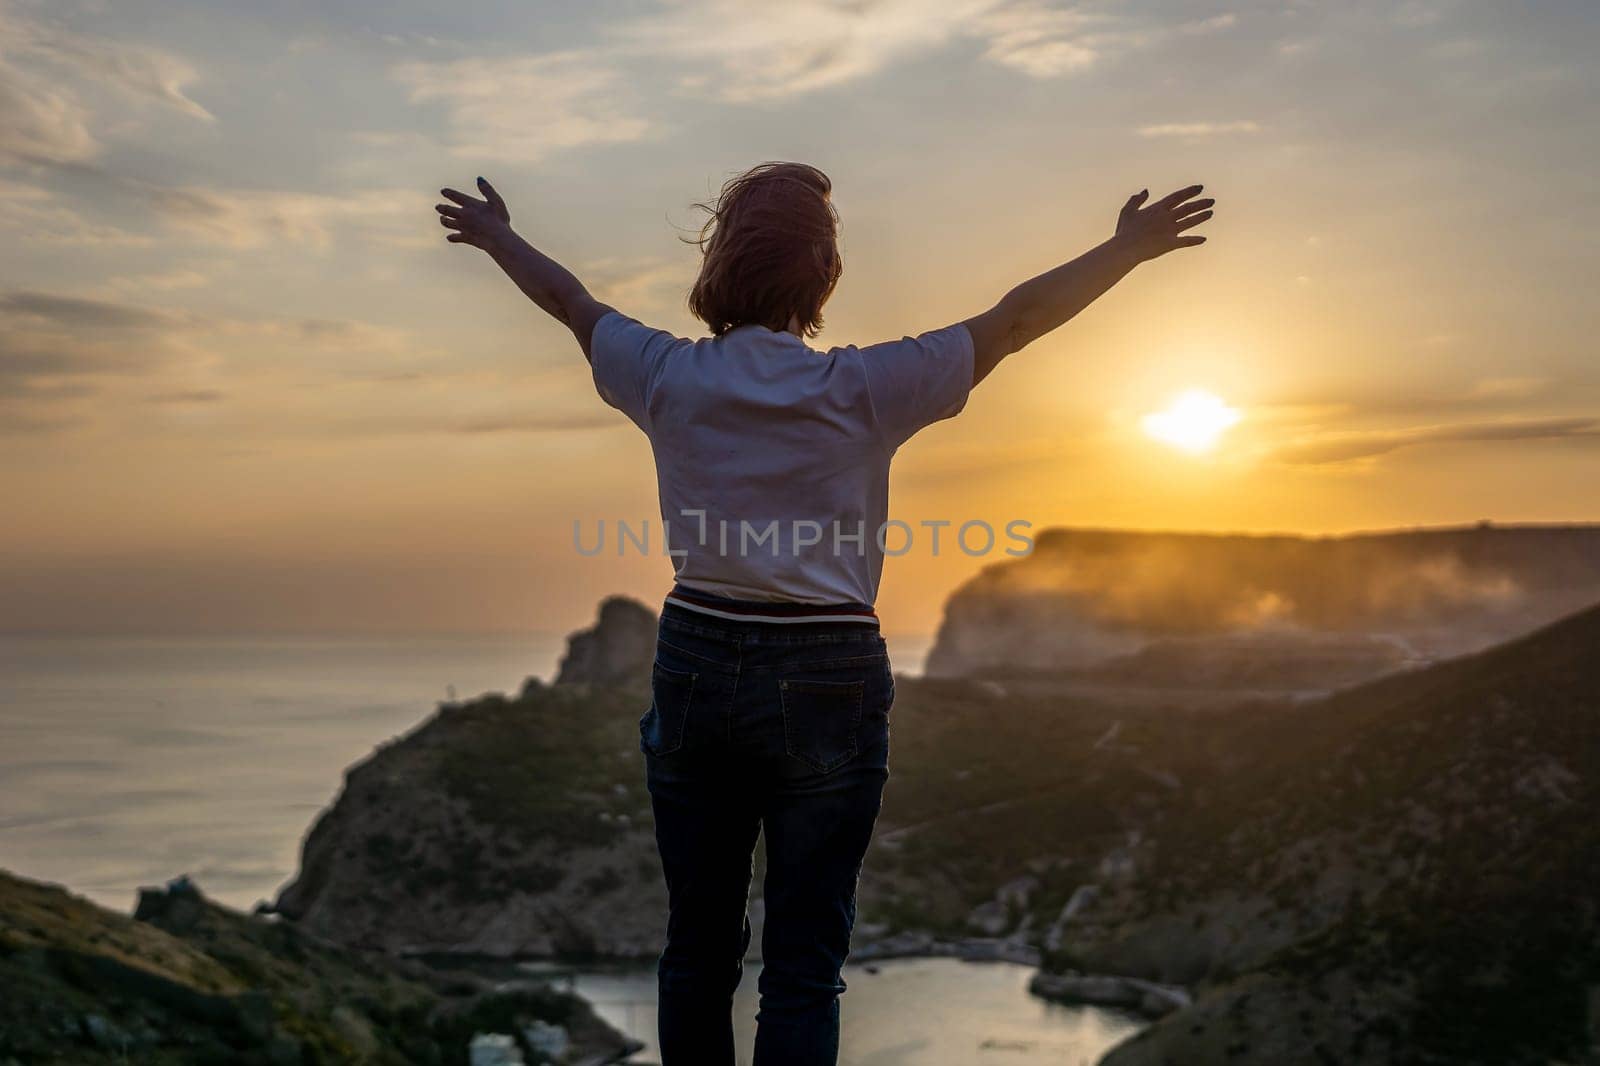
(772, 458)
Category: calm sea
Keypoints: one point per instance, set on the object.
(126, 762)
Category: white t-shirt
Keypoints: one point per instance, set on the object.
(772, 458)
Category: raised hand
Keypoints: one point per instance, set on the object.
(1154, 230)
(480, 223)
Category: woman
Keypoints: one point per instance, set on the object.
(771, 687)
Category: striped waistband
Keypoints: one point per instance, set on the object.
(752, 611)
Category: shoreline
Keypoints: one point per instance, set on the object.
(1150, 1000)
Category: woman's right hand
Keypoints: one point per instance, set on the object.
(1148, 232)
(480, 223)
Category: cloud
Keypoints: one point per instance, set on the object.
(742, 51)
(43, 69)
(1045, 41)
(526, 424)
(45, 337)
(30, 213)
(75, 311)
(1199, 130)
(18, 423)
(134, 70)
(185, 396)
(68, 360)
(1345, 447)
(1509, 388)
(526, 107)
(40, 123)
(639, 283)
(762, 51)
(163, 281)
(250, 218)
(1224, 21)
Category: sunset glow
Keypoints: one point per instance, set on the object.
(234, 345)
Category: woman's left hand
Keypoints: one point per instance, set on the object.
(480, 223)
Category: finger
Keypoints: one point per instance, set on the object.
(1134, 201)
(494, 197)
(1192, 207)
(1193, 220)
(1173, 199)
(450, 223)
(461, 238)
(450, 210)
(1189, 242)
(461, 198)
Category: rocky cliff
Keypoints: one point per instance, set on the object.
(498, 827)
(1262, 613)
(1401, 872)
(618, 648)
(185, 981)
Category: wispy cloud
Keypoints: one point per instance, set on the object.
(522, 423)
(58, 349)
(77, 312)
(40, 123)
(249, 218)
(1509, 388)
(1046, 41)
(1199, 130)
(526, 107)
(45, 66)
(34, 214)
(1347, 447)
(162, 281)
(135, 70)
(743, 51)
(647, 283)
(186, 397)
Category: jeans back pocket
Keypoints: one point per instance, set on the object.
(821, 721)
(662, 727)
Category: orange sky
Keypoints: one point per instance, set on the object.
(245, 386)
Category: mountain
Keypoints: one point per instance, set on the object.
(1264, 613)
(185, 981)
(1415, 877)
(1403, 871)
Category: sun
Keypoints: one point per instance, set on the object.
(1193, 422)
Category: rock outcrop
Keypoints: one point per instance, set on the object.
(619, 648)
(498, 827)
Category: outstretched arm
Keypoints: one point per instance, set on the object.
(486, 224)
(1039, 305)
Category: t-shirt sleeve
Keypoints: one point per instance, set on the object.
(627, 358)
(915, 381)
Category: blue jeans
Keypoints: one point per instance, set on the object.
(781, 727)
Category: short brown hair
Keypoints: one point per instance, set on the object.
(771, 250)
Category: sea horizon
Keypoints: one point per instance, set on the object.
(129, 760)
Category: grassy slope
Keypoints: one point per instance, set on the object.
(197, 983)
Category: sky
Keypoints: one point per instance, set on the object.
(246, 386)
